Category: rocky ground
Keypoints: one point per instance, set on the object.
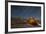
(23, 23)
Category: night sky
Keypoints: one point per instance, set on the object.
(25, 11)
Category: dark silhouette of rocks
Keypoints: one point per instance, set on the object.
(19, 22)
